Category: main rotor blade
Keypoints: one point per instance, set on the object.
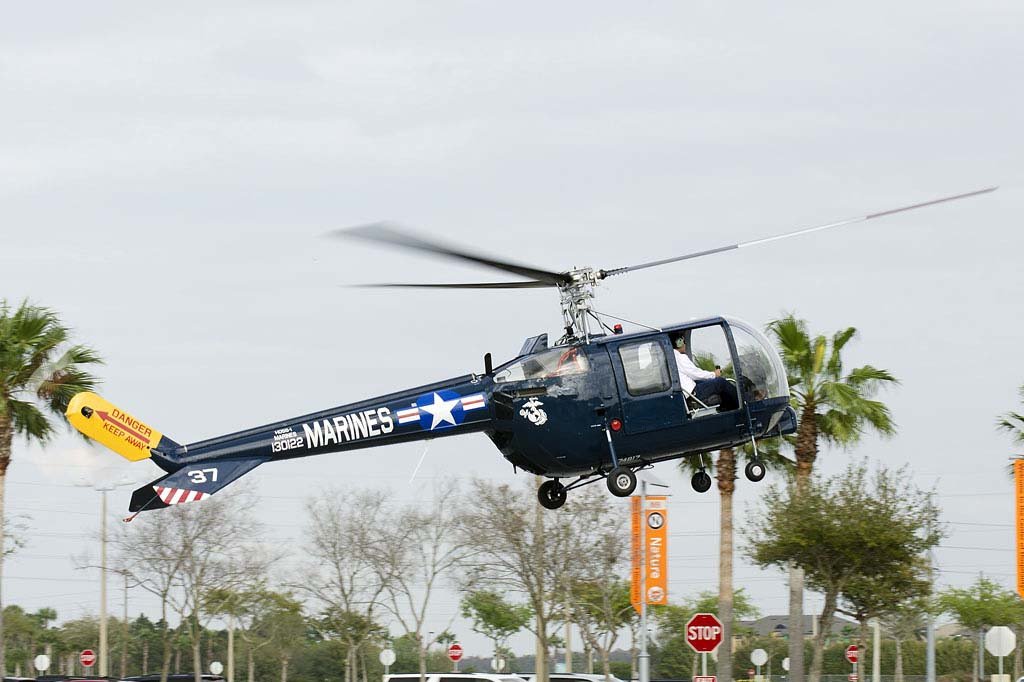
(795, 233)
(530, 284)
(390, 234)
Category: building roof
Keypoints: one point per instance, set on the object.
(779, 625)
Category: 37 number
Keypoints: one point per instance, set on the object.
(200, 475)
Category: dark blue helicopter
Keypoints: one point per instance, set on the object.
(598, 404)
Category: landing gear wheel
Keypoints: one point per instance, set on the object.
(621, 482)
(701, 482)
(755, 471)
(551, 494)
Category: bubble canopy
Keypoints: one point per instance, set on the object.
(758, 360)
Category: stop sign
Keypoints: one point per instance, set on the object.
(455, 652)
(851, 653)
(704, 632)
(87, 658)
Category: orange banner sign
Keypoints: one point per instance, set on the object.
(634, 576)
(656, 559)
(649, 525)
(1018, 476)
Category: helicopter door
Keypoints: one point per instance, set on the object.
(649, 397)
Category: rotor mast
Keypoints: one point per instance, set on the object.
(576, 297)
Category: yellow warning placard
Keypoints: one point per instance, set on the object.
(108, 424)
(1018, 477)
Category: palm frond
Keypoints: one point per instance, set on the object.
(692, 463)
(37, 364)
(835, 360)
(868, 379)
(838, 427)
(29, 420)
(794, 343)
(820, 347)
(878, 415)
(1012, 423)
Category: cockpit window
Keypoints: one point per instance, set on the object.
(557, 362)
(645, 368)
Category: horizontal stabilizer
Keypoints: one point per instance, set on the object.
(192, 483)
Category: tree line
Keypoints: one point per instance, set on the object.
(370, 570)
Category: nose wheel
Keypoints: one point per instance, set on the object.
(755, 471)
(551, 494)
(621, 482)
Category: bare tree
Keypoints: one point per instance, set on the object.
(347, 574)
(536, 555)
(148, 552)
(182, 553)
(420, 551)
(600, 596)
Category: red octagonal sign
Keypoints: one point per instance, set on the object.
(704, 632)
(87, 658)
(455, 652)
(851, 653)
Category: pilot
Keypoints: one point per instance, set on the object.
(700, 382)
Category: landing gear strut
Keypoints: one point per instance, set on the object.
(621, 482)
(551, 494)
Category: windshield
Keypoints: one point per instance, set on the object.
(759, 363)
(557, 362)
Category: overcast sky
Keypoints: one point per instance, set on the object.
(167, 174)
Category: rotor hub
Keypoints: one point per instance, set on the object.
(576, 296)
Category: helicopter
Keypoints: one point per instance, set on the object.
(598, 404)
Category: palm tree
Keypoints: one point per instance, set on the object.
(905, 623)
(1013, 423)
(724, 470)
(834, 407)
(40, 371)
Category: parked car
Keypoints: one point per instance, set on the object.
(569, 677)
(68, 678)
(452, 677)
(174, 677)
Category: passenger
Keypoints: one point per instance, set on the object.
(701, 383)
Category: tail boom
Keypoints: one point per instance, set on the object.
(198, 470)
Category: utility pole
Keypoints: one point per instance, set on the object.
(930, 647)
(103, 582)
(124, 629)
(644, 662)
(541, 662)
(104, 651)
